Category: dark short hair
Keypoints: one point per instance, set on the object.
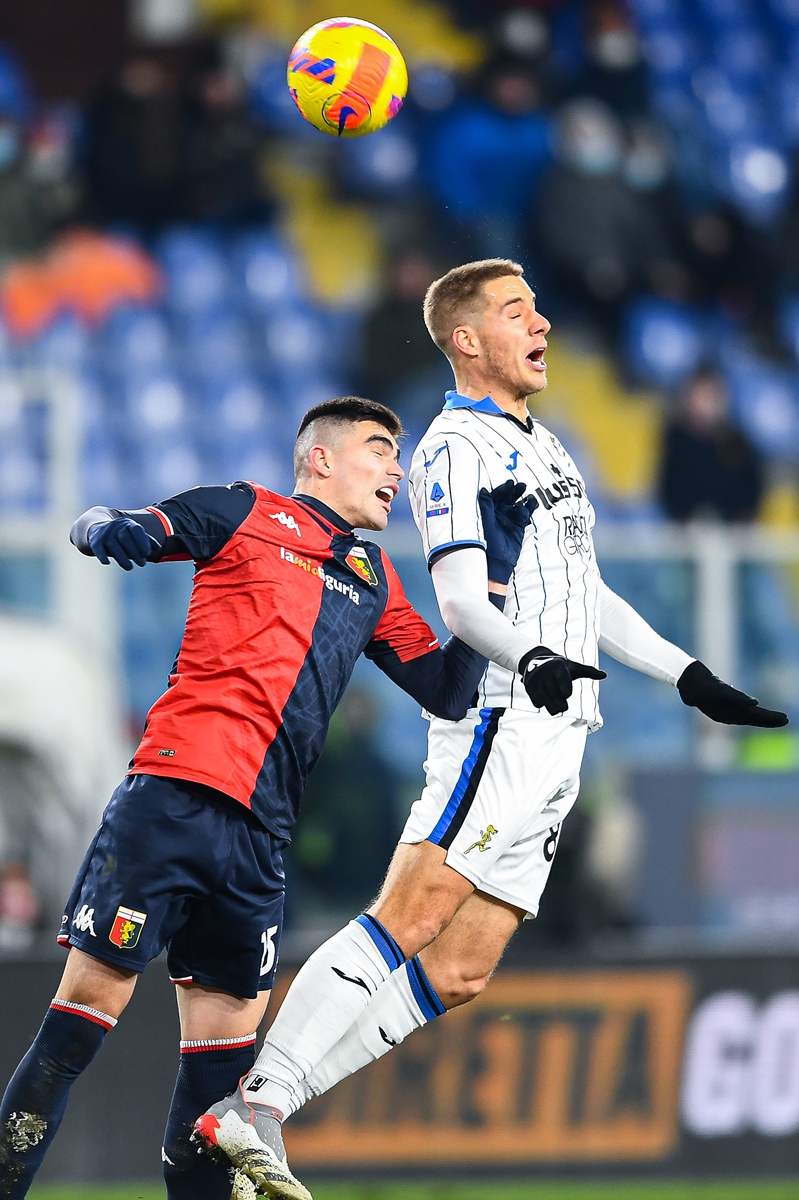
(344, 410)
(458, 296)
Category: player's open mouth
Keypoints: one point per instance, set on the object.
(536, 358)
(386, 495)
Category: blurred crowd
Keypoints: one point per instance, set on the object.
(207, 265)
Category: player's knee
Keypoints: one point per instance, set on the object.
(456, 987)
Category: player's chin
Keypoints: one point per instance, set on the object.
(535, 380)
(376, 519)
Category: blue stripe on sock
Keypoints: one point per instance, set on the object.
(423, 991)
(463, 780)
(383, 940)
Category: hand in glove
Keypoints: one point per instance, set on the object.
(505, 519)
(124, 540)
(547, 678)
(700, 688)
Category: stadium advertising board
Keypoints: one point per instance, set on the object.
(664, 1069)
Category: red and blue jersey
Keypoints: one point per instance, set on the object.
(286, 596)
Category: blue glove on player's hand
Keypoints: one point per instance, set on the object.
(505, 519)
(124, 540)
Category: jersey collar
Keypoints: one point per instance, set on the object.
(324, 511)
(456, 400)
(486, 405)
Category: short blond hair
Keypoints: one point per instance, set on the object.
(458, 298)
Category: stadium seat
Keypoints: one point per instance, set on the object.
(214, 344)
(663, 342)
(65, 345)
(267, 275)
(137, 340)
(757, 176)
(766, 404)
(385, 164)
(196, 269)
(156, 406)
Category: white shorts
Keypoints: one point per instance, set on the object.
(499, 784)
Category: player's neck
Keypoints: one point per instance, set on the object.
(504, 398)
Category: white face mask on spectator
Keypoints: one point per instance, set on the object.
(590, 138)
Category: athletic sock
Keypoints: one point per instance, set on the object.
(36, 1098)
(405, 1002)
(328, 996)
(209, 1071)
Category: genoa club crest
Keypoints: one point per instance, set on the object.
(127, 927)
(358, 561)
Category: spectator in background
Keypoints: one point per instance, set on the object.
(487, 156)
(396, 348)
(614, 71)
(221, 182)
(709, 469)
(350, 819)
(602, 236)
(135, 146)
(23, 227)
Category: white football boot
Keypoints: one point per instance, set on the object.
(248, 1137)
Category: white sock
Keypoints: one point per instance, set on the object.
(405, 1002)
(328, 996)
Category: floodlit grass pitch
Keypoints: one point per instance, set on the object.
(750, 1190)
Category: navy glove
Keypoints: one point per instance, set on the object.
(505, 519)
(547, 678)
(700, 688)
(124, 540)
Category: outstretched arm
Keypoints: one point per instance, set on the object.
(626, 636)
(191, 525)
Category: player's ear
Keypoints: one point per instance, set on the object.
(319, 461)
(465, 339)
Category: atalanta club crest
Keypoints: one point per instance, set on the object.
(358, 561)
(127, 927)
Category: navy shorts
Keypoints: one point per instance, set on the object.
(178, 865)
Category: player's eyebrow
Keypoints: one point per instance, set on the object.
(514, 300)
(384, 441)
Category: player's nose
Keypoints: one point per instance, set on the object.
(540, 324)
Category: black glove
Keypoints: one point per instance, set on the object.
(124, 540)
(547, 678)
(505, 518)
(700, 688)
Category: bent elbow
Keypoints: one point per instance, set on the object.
(449, 710)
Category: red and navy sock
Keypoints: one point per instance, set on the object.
(209, 1071)
(36, 1098)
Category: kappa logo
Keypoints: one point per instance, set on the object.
(358, 561)
(84, 920)
(127, 927)
(288, 520)
(485, 837)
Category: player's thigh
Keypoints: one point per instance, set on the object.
(210, 1014)
(231, 942)
(420, 896)
(463, 957)
(95, 984)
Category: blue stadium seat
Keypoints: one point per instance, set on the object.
(756, 177)
(65, 345)
(766, 405)
(166, 465)
(663, 342)
(268, 276)
(215, 344)
(384, 164)
(137, 340)
(156, 406)
(295, 343)
(197, 271)
(743, 52)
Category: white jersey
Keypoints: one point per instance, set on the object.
(553, 594)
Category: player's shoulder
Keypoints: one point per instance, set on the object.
(452, 429)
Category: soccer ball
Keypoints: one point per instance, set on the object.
(347, 77)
